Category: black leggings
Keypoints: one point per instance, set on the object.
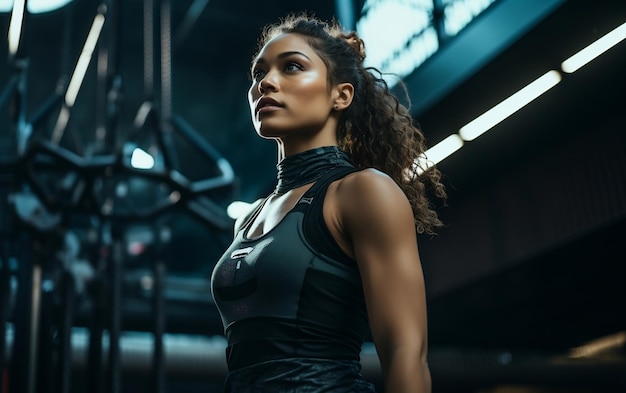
(299, 375)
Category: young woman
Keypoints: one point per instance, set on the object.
(330, 258)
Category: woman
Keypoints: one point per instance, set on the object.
(330, 257)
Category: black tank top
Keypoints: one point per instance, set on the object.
(291, 292)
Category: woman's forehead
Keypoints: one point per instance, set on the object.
(285, 43)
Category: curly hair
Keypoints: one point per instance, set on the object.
(376, 129)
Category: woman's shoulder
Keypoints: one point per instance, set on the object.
(370, 206)
(369, 180)
(371, 189)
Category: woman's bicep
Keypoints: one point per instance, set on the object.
(382, 231)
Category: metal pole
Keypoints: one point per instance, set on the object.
(115, 326)
(24, 359)
(65, 332)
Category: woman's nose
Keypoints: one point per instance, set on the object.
(268, 82)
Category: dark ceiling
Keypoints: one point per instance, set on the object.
(503, 275)
(210, 55)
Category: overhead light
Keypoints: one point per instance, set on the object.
(84, 60)
(506, 108)
(35, 6)
(612, 342)
(438, 153)
(77, 77)
(141, 159)
(15, 26)
(6, 5)
(237, 209)
(16, 7)
(594, 50)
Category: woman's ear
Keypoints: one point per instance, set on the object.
(344, 93)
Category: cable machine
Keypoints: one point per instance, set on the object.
(63, 214)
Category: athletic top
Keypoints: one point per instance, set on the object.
(291, 292)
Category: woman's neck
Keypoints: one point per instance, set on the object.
(290, 145)
(308, 166)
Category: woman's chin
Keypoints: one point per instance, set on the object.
(267, 132)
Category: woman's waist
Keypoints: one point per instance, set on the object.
(298, 374)
(258, 340)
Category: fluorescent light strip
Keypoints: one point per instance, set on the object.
(77, 77)
(15, 28)
(83, 60)
(487, 120)
(506, 108)
(498, 113)
(612, 342)
(594, 50)
(438, 153)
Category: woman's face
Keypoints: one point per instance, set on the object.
(289, 94)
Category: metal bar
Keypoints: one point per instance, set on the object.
(95, 349)
(9, 88)
(23, 365)
(191, 17)
(115, 326)
(148, 49)
(158, 312)
(65, 333)
(5, 305)
(438, 20)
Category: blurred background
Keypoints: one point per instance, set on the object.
(125, 138)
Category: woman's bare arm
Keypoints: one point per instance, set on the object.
(378, 221)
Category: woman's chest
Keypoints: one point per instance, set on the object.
(273, 212)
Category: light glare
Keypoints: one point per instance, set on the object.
(460, 13)
(141, 160)
(41, 6)
(237, 208)
(6, 5)
(34, 6)
(392, 31)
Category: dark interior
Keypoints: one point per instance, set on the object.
(526, 283)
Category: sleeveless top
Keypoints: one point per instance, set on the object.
(291, 292)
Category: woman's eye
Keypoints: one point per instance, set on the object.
(292, 66)
(257, 75)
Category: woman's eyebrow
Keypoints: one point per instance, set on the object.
(282, 55)
(291, 53)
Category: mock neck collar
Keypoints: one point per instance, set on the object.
(308, 166)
